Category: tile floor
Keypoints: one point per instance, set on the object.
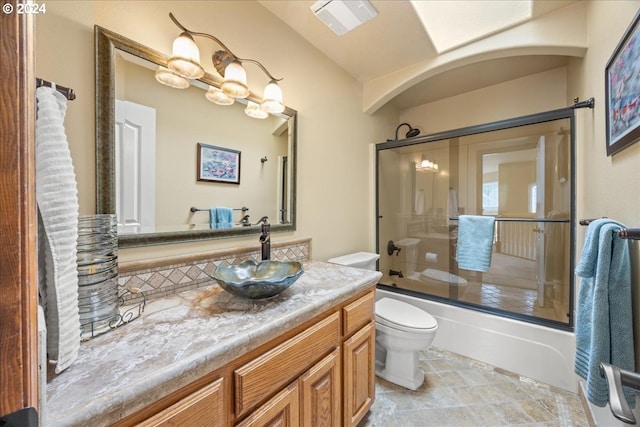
(459, 392)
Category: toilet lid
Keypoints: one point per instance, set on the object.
(403, 315)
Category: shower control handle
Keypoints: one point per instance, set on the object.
(391, 248)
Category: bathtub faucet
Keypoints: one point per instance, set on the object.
(396, 273)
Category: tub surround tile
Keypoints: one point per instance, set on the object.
(182, 337)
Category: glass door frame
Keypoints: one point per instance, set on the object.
(564, 113)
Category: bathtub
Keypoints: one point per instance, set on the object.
(543, 354)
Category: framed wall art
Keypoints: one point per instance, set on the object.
(622, 90)
(218, 164)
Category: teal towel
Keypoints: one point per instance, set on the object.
(213, 219)
(475, 242)
(224, 217)
(604, 322)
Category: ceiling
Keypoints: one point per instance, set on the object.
(397, 39)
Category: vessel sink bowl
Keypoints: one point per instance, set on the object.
(258, 280)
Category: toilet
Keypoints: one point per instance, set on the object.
(402, 330)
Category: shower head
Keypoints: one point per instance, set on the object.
(413, 132)
(410, 133)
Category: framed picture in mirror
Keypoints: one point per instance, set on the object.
(218, 164)
(622, 88)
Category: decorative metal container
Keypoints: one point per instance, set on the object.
(97, 252)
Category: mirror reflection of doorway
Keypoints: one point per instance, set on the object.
(135, 154)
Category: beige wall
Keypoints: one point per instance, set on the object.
(527, 95)
(606, 186)
(334, 135)
(185, 118)
(334, 162)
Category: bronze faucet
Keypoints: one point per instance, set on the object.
(265, 238)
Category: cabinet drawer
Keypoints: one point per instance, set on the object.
(357, 314)
(270, 372)
(203, 407)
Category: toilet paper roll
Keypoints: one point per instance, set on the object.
(431, 257)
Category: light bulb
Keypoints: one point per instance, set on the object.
(272, 98)
(235, 81)
(217, 96)
(171, 79)
(185, 58)
(254, 110)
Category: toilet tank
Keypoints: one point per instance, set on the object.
(366, 260)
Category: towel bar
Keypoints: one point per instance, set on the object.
(66, 91)
(616, 378)
(623, 233)
(194, 209)
(455, 218)
(629, 233)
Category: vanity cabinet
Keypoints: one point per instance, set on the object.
(320, 393)
(318, 374)
(314, 400)
(358, 351)
(281, 410)
(204, 407)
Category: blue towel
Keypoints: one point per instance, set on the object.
(224, 217)
(213, 220)
(604, 325)
(475, 242)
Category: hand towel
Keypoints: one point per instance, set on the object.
(57, 200)
(604, 325)
(452, 204)
(224, 217)
(213, 218)
(419, 202)
(475, 242)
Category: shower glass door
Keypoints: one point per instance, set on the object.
(520, 172)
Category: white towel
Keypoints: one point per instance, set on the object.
(452, 204)
(419, 202)
(57, 197)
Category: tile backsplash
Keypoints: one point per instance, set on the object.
(166, 276)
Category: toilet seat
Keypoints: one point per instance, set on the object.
(402, 316)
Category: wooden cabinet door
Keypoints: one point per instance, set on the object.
(321, 398)
(204, 407)
(358, 375)
(283, 410)
(276, 368)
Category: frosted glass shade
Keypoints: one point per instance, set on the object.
(272, 98)
(185, 58)
(254, 110)
(217, 96)
(235, 81)
(171, 79)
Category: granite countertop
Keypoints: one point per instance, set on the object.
(179, 339)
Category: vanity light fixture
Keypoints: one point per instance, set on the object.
(185, 63)
(426, 165)
(217, 96)
(169, 78)
(254, 110)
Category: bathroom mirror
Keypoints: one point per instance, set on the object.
(181, 200)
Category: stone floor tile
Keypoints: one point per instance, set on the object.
(460, 392)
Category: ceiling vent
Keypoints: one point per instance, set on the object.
(343, 16)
